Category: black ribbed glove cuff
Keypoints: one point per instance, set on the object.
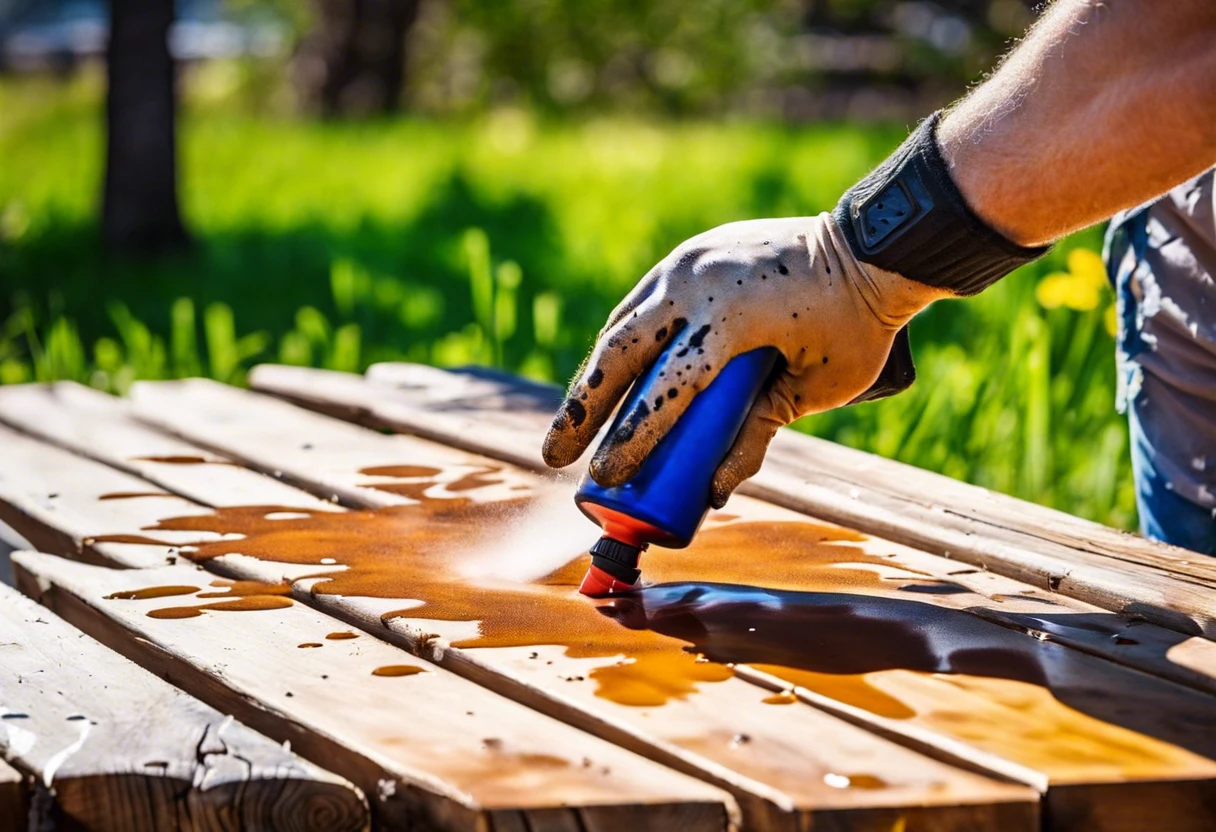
(909, 217)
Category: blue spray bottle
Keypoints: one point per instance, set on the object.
(667, 499)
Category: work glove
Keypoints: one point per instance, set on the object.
(792, 284)
(832, 293)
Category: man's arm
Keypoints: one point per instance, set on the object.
(1103, 106)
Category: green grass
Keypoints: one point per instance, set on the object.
(505, 240)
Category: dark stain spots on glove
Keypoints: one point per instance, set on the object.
(583, 397)
(797, 398)
(623, 434)
(738, 282)
(698, 337)
(825, 359)
(711, 298)
(661, 334)
(795, 314)
(634, 341)
(658, 403)
(708, 367)
(682, 353)
(764, 277)
(672, 392)
(596, 378)
(782, 269)
(575, 412)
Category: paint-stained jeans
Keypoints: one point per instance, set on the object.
(1162, 260)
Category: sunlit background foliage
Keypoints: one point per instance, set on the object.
(548, 154)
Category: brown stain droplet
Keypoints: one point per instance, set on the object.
(151, 592)
(253, 603)
(244, 589)
(341, 636)
(398, 670)
(402, 471)
(131, 495)
(309, 644)
(181, 460)
(780, 699)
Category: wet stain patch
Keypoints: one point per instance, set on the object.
(393, 670)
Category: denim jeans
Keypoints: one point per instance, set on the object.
(1166, 376)
(1164, 515)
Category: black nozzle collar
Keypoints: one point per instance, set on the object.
(620, 560)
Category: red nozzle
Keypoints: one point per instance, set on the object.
(597, 583)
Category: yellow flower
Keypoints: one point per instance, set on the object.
(1087, 265)
(1078, 288)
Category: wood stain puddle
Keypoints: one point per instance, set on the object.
(238, 596)
(790, 598)
(415, 480)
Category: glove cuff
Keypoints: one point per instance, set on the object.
(908, 217)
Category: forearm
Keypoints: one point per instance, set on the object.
(1103, 106)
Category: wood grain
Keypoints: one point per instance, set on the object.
(437, 751)
(112, 747)
(1065, 721)
(1052, 550)
(779, 782)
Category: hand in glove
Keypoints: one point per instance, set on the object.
(789, 283)
(831, 293)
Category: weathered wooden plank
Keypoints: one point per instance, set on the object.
(33, 485)
(112, 747)
(454, 404)
(478, 398)
(14, 799)
(82, 419)
(1049, 549)
(777, 769)
(1027, 707)
(438, 751)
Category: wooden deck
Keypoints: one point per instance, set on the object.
(362, 588)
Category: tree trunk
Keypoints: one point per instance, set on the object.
(353, 62)
(139, 205)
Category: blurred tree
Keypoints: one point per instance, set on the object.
(353, 60)
(139, 203)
